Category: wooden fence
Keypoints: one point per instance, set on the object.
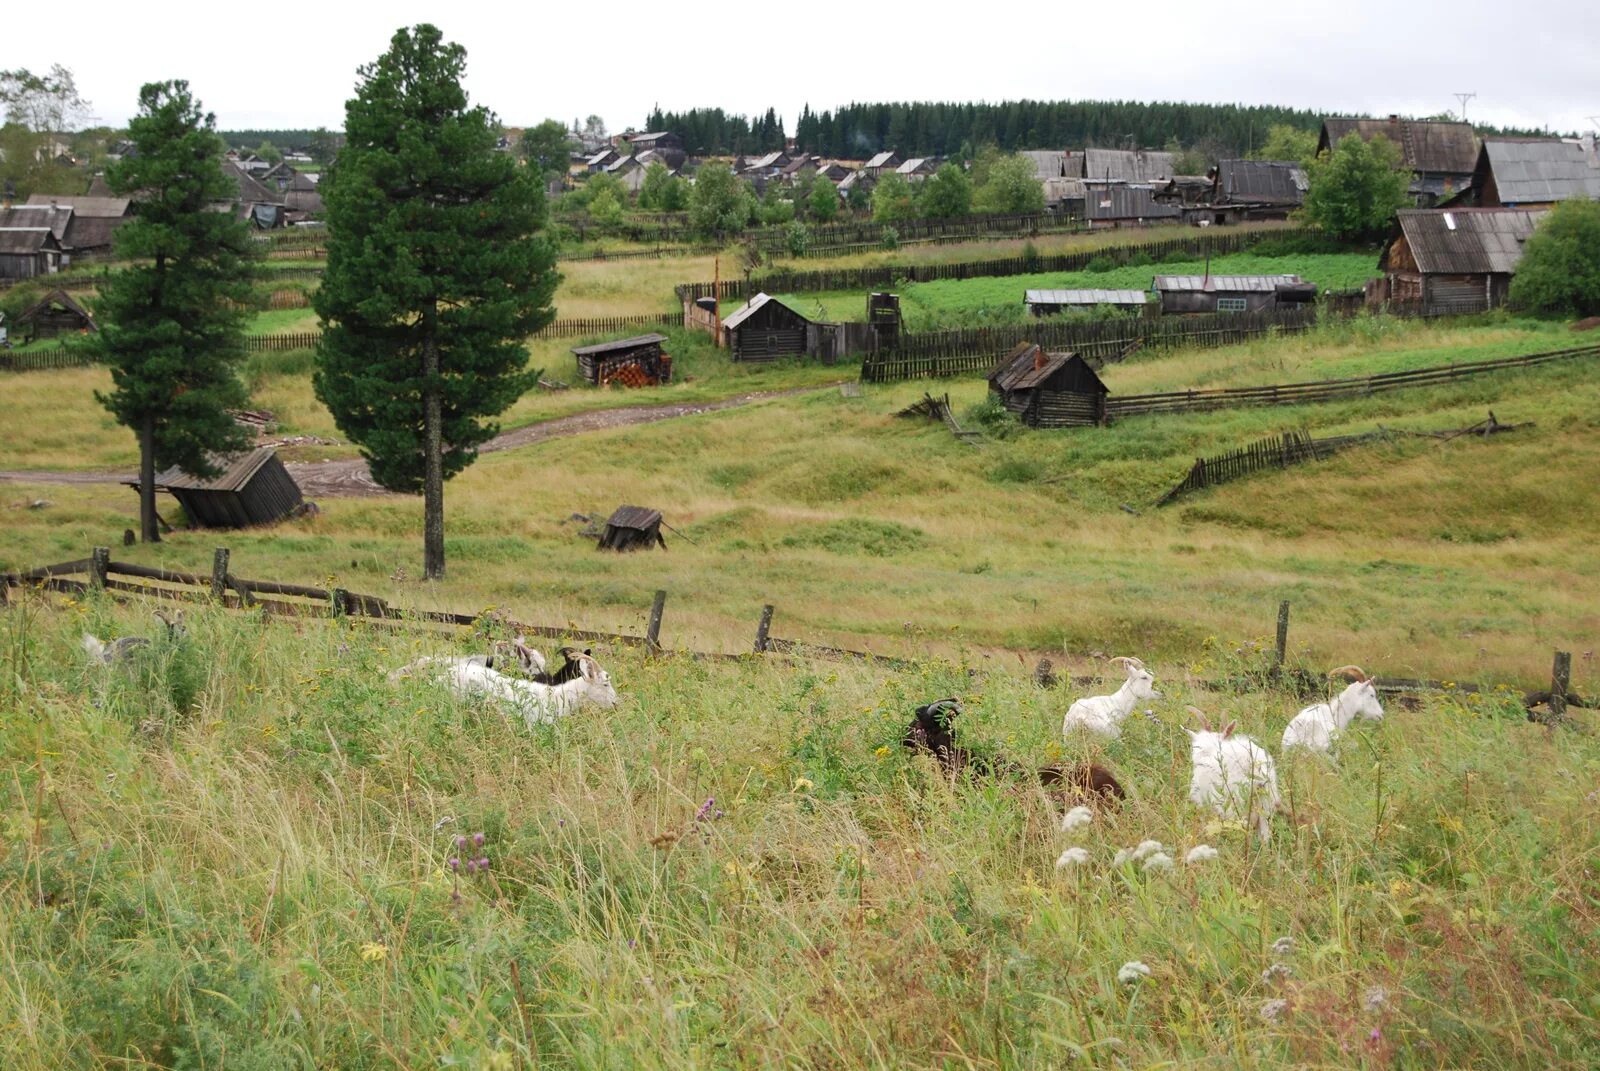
(868, 233)
(1278, 452)
(1328, 390)
(887, 277)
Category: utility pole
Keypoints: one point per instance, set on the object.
(1463, 98)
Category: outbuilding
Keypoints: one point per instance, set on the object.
(28, 252)
(57, 313)
(633, 362)
(1028, 381)
(632, 528)
(1230, 293)
(765, 328)
(1050, 302)
(251, 488)
(1456, 259)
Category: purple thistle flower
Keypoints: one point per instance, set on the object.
(705, 809)
(455, 863)
(719, 812)
(632, 943)
(1376, 1036)
(562, 822)
(483, 864)
(477, 839)
(472, 866)
(461, 842)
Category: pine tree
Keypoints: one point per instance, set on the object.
(172, 322)
(437, 272)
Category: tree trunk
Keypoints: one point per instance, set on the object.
(433, 448)
(148, 532)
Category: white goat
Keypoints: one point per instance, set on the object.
(1104, 714)
(515, 654)
(1316, 727)
(109, 652)
(537, 703)
(1233, 775)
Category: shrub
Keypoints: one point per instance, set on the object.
(1099, 265)
(1560, 271)
(889, 239)
(797, 238)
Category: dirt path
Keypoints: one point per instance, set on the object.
(348, 479)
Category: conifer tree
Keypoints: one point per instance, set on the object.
(437, 273)
(172, 322)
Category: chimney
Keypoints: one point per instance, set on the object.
(1038, 358)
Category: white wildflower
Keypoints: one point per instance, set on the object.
(1376, 997)
(1076, 818)
(1072, 857)
(1132, 971)
(1277, 971)
(1146, 848)
(1272, 1009)
(1158, 861)
(1121, 857)
(1200, 853)
(1283, 946)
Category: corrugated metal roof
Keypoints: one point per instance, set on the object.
(1086, 297)
(621, 344)
(1121, 165)
(1047, 163)
(1425, 144)
(1541, 171)
(236, 472)
(738, 317)
(1467, 241)
(769, 160)
(1125, 202)
(639, 518)
(1239, 284)
(87, 207)
(881, 159)
(1261, 181)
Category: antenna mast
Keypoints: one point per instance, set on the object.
(1463, 98)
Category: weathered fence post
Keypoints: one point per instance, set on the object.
(1283, 637)
(339, 598)
(219, 573)
(763, 628)
(652, 635)
(1560, 680)
(99, 566)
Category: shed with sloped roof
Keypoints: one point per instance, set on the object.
(1229, 293)
(765, 328)
(249, 488)
(1456, 259)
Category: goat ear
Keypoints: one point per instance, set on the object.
(1200, 715)
(1229, 730)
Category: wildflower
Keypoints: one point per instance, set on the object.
(483, 863)
(1272, 1009)
(803, 784)
(472, 866)
(477, 839)
(1376, 1036)
(373, 952)
(1158, 861)
(461, 842)
(1072, 857)
(562, 822)
(882, 752)
(1283, 946)
(1200, 853)
(1121, 857)
(1131, 972)
(1400, 887)
(1376, 997)
(1146, 848)
(455, 862)
(269, 730)
(1078, 816)
(1275, 972)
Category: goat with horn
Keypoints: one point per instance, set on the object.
(1316, 727)
(1103, 715)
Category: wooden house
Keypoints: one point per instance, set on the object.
(1269, 187)
(1455, 259)
(1440, 155)
(250, 488)
(28, 252)
(632, 528)
(633, 362)
(918, 168)
(1119, 165)
(764, 329)
(664, 142)
(1119, 205)
(1230, 293)
(881, 163)
(93, 221)
(1050, 302)
(1029, 380)
(54, 314)
(1535, 172)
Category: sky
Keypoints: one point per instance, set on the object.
(1531, 65)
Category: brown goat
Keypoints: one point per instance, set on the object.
(930, 733)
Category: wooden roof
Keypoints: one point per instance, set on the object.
(1541, 170)
(1120, 165)
(1262, 181)
(1085, 297)
(749, 309)
(86, 207)
(65, 301)
(1425, 144)
(1028, 366)
(237, 471)
(639, 518)
(1227, 284)
(24, 240)
(1466, 241)
(620, 344)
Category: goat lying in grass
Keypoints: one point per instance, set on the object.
(537, 702)
(109, 652)
(504, 655)
(1316, 727)
(1103, 715)
(1233, 775)
(930, 733)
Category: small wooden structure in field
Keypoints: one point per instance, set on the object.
(1230, 293)
(765, 329)
(631, 362)
(54, 314)
(632, 528)
(1049, 302)
(1457, 259)
(1027, 379)
(251, 488)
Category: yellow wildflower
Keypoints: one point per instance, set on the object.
(1401, 887)
(882, 752)
(373, 952)
(269, 730)
(803, 784)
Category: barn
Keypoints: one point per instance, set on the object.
(632, 528)
(1028, 381)
(54, 314)
(1456, 259)
(632, 362)
(1440, 154)
(765, 328)
(1050, 302)
(1230, 293)
(250, 488)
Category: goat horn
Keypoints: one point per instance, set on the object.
(1349, 673)
(1128, 660)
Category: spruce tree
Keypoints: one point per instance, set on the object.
(172, 322)
(437, 273)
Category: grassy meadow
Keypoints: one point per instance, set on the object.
(235, 852)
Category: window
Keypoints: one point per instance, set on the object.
(1230, 304)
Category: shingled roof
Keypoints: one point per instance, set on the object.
(1465, 241)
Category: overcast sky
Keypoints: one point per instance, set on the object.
(293, 66)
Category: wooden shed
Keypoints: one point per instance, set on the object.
(1029, 380)
(1456, 259)
(251, 488)
(764, 329)
(632, 528)
(631, 362)
(1050, 302)
(28, 252)
(54, 314)
(1229, 293)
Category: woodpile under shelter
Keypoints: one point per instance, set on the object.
(1050, 302)
(632, 528)
(764, 329)
(629, 362)
(57, 313)
(1456, 259)
(1054, 389)
(1440, 155)
(251, 488)
(1231, 293)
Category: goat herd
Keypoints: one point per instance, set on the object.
(1233, 775)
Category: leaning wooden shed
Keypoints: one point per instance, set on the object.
(251, 488)
(632, 528)
(633, 362)
(57, 313)
(1030, 381)
(1049, 302)
(764, 329)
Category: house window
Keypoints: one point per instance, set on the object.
(1230, 304)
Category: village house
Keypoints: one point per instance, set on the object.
(918, 168)
(1535, 172)
(1261, 184)
(1455, 259)
(1119, 165)
(1117, 205)
(667, 145)
(1230, 293)
(763, 329)
(1440, 155)
(1026, 375)
(881, 163)
(88, 223)
(28, 252)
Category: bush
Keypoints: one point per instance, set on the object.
(1030, 257)
(1100, 265)
(797, 238)
(889, 239)
(1560, 271)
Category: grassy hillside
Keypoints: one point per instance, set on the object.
(237, 853)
